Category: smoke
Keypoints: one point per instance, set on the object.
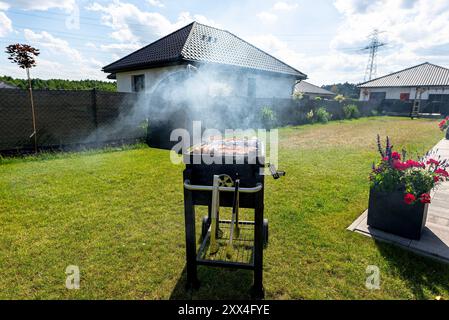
(216, 96)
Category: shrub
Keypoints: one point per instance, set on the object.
(318, 99)
(322, 115)
(268, 117)
(340, 98)
(351, 111)
(298, 96)
(374, 113)
(310, 116)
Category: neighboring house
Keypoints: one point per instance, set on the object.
(312, 91)
(425, 82)
(245, 70)
(4, 85)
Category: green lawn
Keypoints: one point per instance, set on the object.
(118, 215)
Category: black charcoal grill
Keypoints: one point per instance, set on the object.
(240, 162)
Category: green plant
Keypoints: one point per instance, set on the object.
(310, 116)
(374, 113)
(318, 99)
(340, 98)
(268, 117)
(298, 96)
(351, 111)
(322, 115)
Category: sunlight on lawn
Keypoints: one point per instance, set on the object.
(118, 215)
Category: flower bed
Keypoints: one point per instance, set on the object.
(400, 190)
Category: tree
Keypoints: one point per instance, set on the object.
(24, 56)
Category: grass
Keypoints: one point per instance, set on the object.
(118, 215)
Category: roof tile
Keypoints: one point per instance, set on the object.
(198, 42)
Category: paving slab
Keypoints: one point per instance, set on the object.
(434, 242)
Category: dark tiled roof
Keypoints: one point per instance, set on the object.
(201, 43)
(166, 49)
(306, 87)
(422, 75)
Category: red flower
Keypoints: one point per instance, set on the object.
(433, 161)
(442, 172)
(409, 198)
(425, 198)
(436, 179)
(396, 156)
(401, 166)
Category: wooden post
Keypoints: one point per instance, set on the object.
(32, 110)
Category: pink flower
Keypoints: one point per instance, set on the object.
(433, 161)
(442, 172)
(396, 156)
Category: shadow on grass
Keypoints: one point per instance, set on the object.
(424, 276)
(216, 284)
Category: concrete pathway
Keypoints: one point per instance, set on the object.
(435, 239)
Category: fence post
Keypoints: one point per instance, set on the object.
(94, 113)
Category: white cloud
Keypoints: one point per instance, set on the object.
(133, 28)
(59, 60)
(413, 30)
(267, 17)
(42, 5)
(5, 24)
(120, 47)
(156, 3)
(4, 6)
(279, 49)
(284, 6)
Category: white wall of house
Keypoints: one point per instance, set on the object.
(395, 93)
(152, 77)
(224, 83)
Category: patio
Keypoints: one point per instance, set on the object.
(435, 240)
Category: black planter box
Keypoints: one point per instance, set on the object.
(388, 212)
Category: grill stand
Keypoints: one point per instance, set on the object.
(193, 258)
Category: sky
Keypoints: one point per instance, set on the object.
(321, 38)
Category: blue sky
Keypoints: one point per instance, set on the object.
(319, 37)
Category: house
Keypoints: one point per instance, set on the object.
(4, 85)
(425, 82)
(236, 67)
(312, 91)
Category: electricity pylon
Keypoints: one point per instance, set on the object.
(373, 47)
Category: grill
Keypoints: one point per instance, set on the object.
(226, 174)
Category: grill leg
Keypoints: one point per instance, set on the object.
(189, 212)
(257, 290)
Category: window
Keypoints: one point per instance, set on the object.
(138, 83)
(405, 96)
(377, 96)
(251, 87)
